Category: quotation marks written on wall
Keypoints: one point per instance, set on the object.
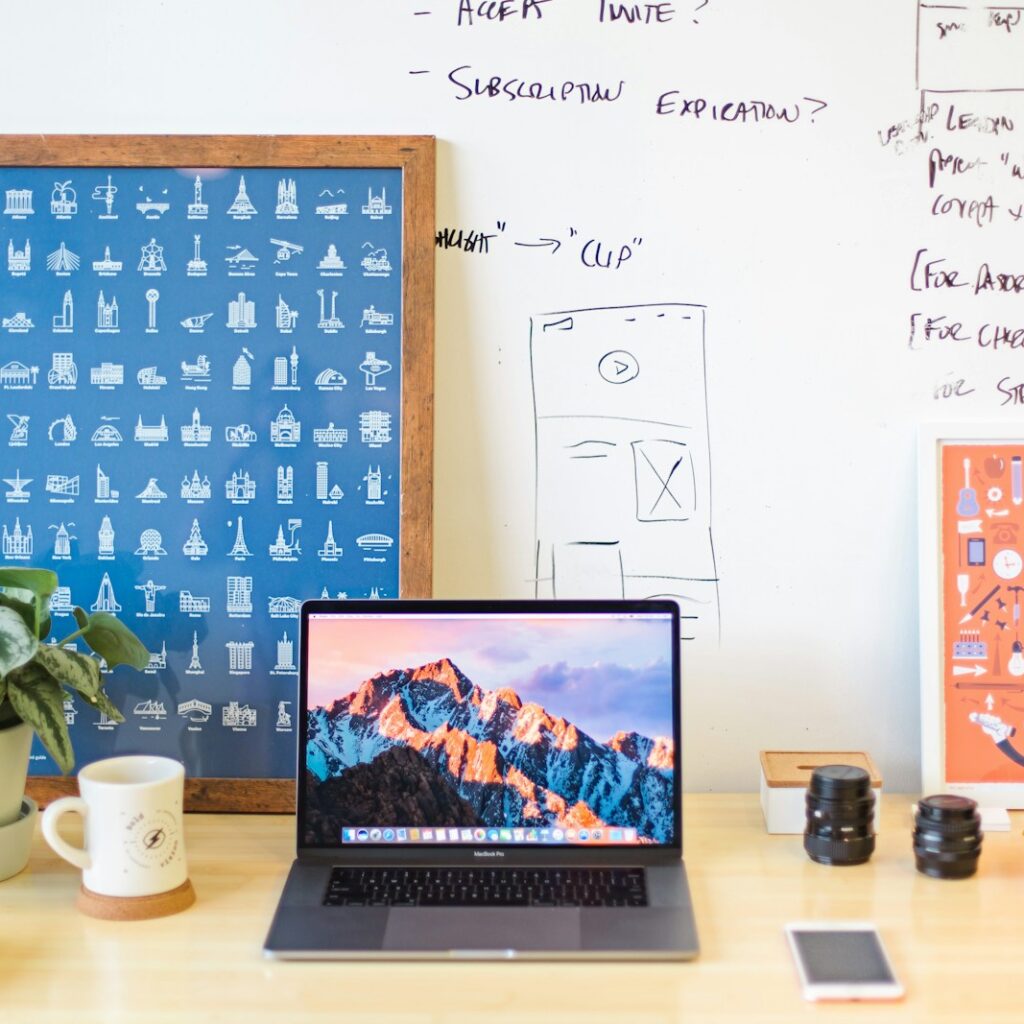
(968, 141)
(469, 82)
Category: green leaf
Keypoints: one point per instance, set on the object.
(12, 598)
(112, 640)
(74, 669)
(17, 642)
(41, 583)
(39, 700)
(105, 706)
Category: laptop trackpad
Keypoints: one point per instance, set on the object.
(468, 929)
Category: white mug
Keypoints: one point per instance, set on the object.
(134, 841)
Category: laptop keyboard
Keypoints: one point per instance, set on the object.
(486, 887)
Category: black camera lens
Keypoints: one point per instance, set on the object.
(840, 815)
(947, 836)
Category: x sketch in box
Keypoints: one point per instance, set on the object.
(623, 465)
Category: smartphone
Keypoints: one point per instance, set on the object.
(976, 551)
(842, 960)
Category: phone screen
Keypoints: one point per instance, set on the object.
(842, 957)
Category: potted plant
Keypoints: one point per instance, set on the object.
(35, 679)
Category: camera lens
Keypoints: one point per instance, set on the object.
(840, 815)
(947, 836)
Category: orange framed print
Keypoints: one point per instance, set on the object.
(971, 603)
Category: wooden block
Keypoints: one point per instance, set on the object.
(136, 908)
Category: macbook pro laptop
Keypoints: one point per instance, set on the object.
(484, 780)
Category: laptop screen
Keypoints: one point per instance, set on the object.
(539, 727)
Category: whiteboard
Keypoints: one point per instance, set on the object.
(760, 163)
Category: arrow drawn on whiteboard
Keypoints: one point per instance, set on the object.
(542, 244)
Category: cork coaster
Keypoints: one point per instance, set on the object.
(135, 908)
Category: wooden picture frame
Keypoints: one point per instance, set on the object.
(414, 157)
(971, 514)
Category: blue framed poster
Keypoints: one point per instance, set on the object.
(202, 380)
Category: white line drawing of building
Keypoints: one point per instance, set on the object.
(329, 324)
(107, 314)
(285, 485)
(332, 264)
(341, 595)
(197, 372)
(196, 711)
(241, 313)
(60, 601)
(372, 318)
(330, 436)
(374, 486)
(151, 493)
(286, 250)
(331, 551)
(16, 544)
(151, 434)
(240, 550)
(197, 209)
(106, 375)
(65, 487)
(17, 494)
(70, 711)
(286, 372)
(193, 489)
(152, 209)
(63, 200)
(152, 296)
(375, 427)
(19, 423)
(105, 599)
(16, 375)
(196, 324)
(285, 315)
(196, 267)
(375, 263)
(20, 323)
(195, 547)
(242, 208)
(285, 429)
(67, 433)
(107, 267)
(377, 207)
(62, 541)
(150, 379)
(286, 656)
(242, 262)
(151, 260)
(284, 719)
(106, 193)
(192, 605)
(64, 322)
(19, 203)
(157, 661)
(239, 595)
(196, 434)
(286, 551)
(63, 372)
(150, 708)
(238, 716)
(106, 539)
(324, 492)
(284, 607)
(372, 368)
(106, 435)
(150, 545)
(375, 542)
(287, 199)
(240, 487)
(330, 379)
(241, 372)
(240, 435)
(331, 211)
(103, 491)
(62, 261)
(19, 261)
(149, 591)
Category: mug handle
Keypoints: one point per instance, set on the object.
(51, 816)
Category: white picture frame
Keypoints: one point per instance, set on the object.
(952, 664)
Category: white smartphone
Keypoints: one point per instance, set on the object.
(842, 960)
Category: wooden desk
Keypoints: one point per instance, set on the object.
(957, 946)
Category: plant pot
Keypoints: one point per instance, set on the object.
(16, 839)
(15, 744)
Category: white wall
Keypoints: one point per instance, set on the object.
(798, 238)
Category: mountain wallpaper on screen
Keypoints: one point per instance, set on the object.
(427, 746)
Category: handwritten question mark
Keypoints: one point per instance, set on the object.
(700, 6)
(818, 109)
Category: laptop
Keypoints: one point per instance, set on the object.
(482, 780)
